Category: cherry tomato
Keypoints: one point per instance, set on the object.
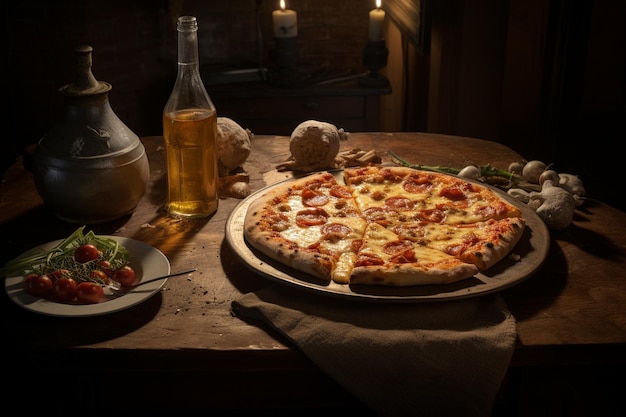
(89, 292)
(64, 289)
(38, 285)
(85, 253)
(99, 275)
(125, 276)
(105, 266)
(59, 273)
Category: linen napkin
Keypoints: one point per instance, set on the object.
(429, 359)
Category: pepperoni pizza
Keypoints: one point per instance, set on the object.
(379, 225)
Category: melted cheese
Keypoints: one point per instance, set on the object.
(345, 244)
(376, 237)
(343, 268)
(469, 210)
(310, 235)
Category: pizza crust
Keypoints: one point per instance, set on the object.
(492, 253)
(403, 275)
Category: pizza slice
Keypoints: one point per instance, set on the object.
(425, 195)
(385, 258)
(466, 202)
(480, 243)
(310, 224)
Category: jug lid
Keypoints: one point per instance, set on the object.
(89, 128)
(85, 83)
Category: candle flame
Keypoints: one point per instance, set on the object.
(282, 4)
(378, 3)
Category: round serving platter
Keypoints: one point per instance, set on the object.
(532, 250)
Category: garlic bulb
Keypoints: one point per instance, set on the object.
(314, 145)
(233, 145)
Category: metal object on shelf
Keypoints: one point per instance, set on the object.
(375, 56)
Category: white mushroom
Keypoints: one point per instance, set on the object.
(532, 170)
(233, 145)
(314, 145)
(554, 205)
(519, 194)
(572, 184)
(471, 172)
(549, 174)
(516, 167)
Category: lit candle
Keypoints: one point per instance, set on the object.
(377, 18)
(285, 22)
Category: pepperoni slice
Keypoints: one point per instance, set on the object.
(311, 217)
(380, 215)
(453, 193)
(405, 257)
(340, 192)
(368, 260)
(378, 195)
(400, 203)
(334, 231)
(432, 215)
(417, 183)
(397, 247)
(410, 231)
(389, 175)
(496, 209)
(374, 213)
(313, 198)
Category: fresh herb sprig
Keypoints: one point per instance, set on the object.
(61, 257)
(493, 176)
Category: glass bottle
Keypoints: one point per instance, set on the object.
(190, 133)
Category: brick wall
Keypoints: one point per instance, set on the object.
(135, 50)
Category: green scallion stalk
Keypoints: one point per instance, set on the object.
(61, 257)
(493, 176)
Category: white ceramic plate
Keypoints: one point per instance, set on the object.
(147, 261)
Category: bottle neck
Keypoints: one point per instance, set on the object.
(188, 91)
(187, 41)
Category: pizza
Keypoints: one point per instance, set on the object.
(383, 225)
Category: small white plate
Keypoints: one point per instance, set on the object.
(147, 261)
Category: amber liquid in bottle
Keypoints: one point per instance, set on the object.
(190, 137)
(190, 133)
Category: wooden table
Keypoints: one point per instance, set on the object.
(182, 349)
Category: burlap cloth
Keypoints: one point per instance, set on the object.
(419, 359)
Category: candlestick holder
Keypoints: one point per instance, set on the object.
(375, 56)
(285, 58)
(285, 55)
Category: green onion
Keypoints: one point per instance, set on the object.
(489, 174)
(61, 257)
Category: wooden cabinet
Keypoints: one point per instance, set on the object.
(273, 110)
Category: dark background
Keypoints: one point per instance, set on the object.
(543, 77)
